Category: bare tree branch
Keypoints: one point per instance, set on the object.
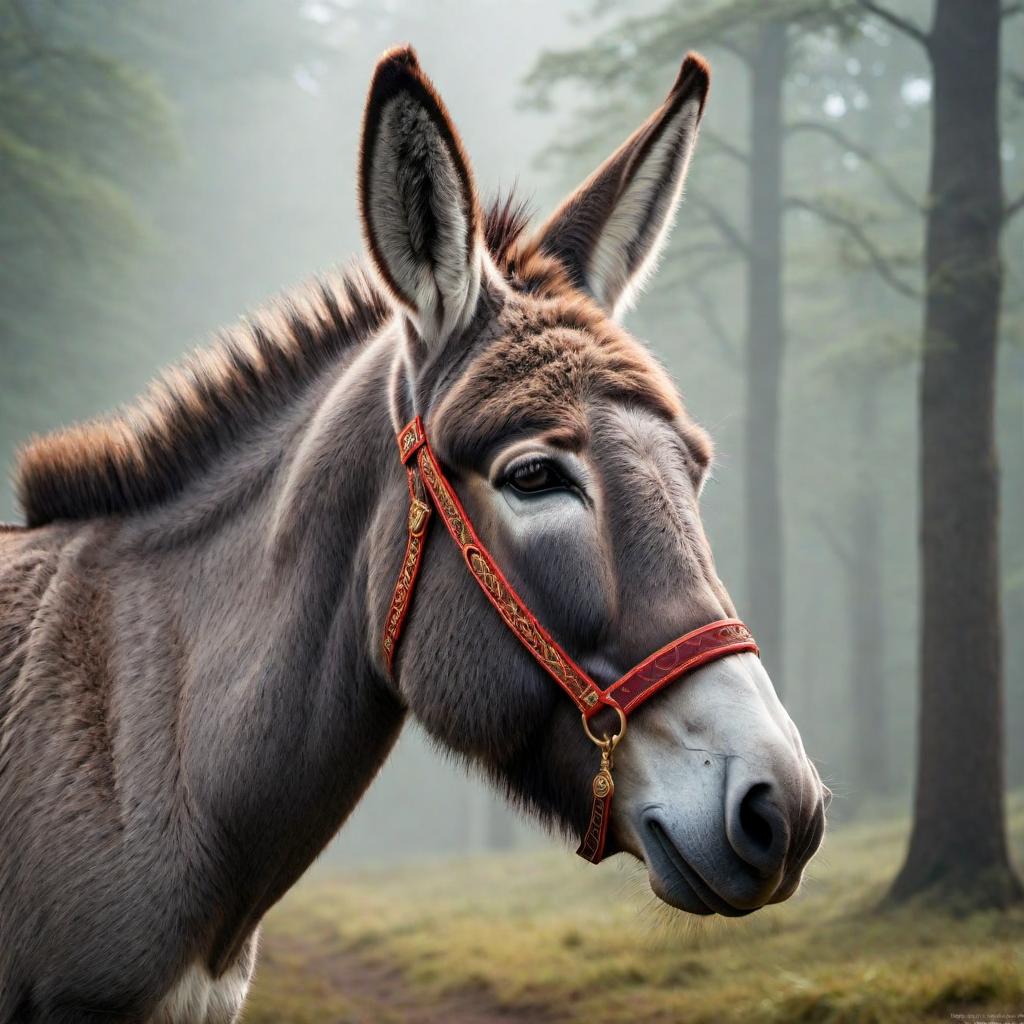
(1013, 208)
(692, 280)
(1010, 10)
(859, 236)
(722, 224)
(708, 311)
(708, 249)
(678, 273)
(896, 21)
(722, 144)
(892, 183)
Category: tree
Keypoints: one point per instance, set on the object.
(854, 535)
(958, 845)
(872, 217)
(75, 122)
(78, 126)
(765, 342)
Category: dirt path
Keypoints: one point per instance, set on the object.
(376, 992)
(386, 991)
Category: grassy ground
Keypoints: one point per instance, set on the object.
(543, 936)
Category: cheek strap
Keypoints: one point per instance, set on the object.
(429, 489)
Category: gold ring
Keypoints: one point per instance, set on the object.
(606, 742)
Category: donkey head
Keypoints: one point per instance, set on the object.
(574, 457)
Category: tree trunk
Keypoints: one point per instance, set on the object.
(1013, 558)
(867, 616)
(765, 340)
(958, 849)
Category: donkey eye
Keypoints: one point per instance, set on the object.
(535, 476)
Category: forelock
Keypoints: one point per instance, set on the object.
(551, 359)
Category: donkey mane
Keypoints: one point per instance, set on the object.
(193, 411)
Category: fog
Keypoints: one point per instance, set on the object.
(240, 182)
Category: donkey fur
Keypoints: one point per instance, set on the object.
(192, 698)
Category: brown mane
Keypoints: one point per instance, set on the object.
(149, 451)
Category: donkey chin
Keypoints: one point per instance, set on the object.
(715, 793)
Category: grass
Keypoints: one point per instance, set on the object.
(557, 938)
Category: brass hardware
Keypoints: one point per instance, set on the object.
(613, 741)
(418, 513)
(603, 785)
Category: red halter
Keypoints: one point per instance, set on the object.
(674, 660)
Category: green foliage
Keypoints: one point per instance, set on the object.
(75, 125)
(81, 129)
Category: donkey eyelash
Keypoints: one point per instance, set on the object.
(519, 472)
(530, 465)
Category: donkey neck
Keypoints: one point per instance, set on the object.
(280, 729)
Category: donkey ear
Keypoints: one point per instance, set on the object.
(421, 217)
(609, 232)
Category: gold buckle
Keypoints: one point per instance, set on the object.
(419, 512)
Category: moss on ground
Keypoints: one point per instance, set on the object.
(548, 933)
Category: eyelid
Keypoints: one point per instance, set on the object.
(566, 462)
(526, 463)
(570, 479)
(532, 457)
(502, 469)
(503, 456)
(531, 461)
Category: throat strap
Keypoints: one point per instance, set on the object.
(429, 487)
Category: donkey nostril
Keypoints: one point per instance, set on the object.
(756, 827)
(758, 831)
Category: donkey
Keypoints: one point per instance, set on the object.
(193, 694)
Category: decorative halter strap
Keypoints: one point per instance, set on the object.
(674, 660)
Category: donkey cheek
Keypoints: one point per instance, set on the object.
(480, 697)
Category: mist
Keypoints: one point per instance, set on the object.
(216, 168)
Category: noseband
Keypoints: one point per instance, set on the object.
(428, 485)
